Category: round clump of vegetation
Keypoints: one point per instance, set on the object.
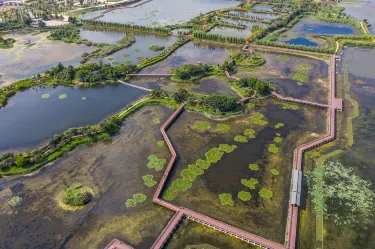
(265, 193)
(258, 119)
(160, 144)
(78, 196)
(14, 201)
(273, 148)
(203, 164)
(45, 96)
(222, 128)
(148, 180)
(277, 139)
(202, 125)
(279, 125)
(250, 133)
(156, 121)
(244, 196)
(251, 184)
(254, 166)
(227, 148)
(126, 55)
(289, 106)
(214, 155)
(63, 96)
(137, 198)
(275, 172)
(155, 163)
(240, 139)
(226, 199)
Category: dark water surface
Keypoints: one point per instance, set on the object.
(28, 119)
(301, 41)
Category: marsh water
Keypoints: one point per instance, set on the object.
(114, 172)
(163, 12)
(23, 61)
(362, 10)
(266, 218)
(29, 119)
(133, 54)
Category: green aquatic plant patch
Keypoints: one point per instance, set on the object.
(203, 164)
(160, 144)
(244, 196)
(156, 121)
(289, 106)
(202, 125)
(140, 58)
(137, 50)
(110, 59)
(14, 201)
(278, 125)
(148, 180)
(300, 77)
(251, 184)
(214, 155)
(265, 193)
(277, 139)
(250, 133)
(226, 199)
(222, 128)
(191, 173)
(155, 163)
(45, 96)
(177, 185)
(273, 148)
(283, 58)
(137, 198)
(83, 98)
(130, 203)
(126, 55)
(258, 119)
(63, 96)
(240, 139)
(275, 172)
(227, 148)
(254, 166)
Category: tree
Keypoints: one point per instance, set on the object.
(20, 160)
(42, 24)
(181, 95)
(72, 20)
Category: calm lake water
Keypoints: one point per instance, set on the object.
(362, 10)
(301, 41)
(263, 7)
(136, 52)
(253, 14)
(28, 119)
(163, 12)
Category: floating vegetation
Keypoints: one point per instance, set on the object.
(137, 198)
(290, 106)
(115, 63)
(155, 163)
(126, 55)
(177, 186)
(251, 184)
(244, 196)
(279, 125)
(227, 148)
(45, 96)
(63, 96)
(258, 118)
(14, 201)
(226, 199)
(275, 172)
(156, 121)
(300, 77)
(83, 98)
(148, 180)
(283, 58)
(299, 83)
(137, 50)
(110, 59)
(203, 164)
(202, 125)
(273, 148)
(250, 133)
(160, 143)
(277, 139)
(140, 58)
(78, 196)
(214, 155)
(265, 193)
(240, 139)
(127, 62)
(278, 134)
(222, 127)
(191, 173)
(254, 166)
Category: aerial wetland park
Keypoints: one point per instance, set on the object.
(187, 124)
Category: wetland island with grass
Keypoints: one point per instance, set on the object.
(185, 124)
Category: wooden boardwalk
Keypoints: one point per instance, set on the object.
(131, 85)
(299, 101)
(150, 74)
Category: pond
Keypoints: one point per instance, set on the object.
(228, 31)
(163, 12)
(22, 61)
(264, 7)
(362, 10)
(136, 52)
(254, 15)
(114, 171)
(29, 119)
(265, 218)
(301, 41)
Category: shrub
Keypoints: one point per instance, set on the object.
(251, 184)
(244, 196)
(130, 203)
(77, 197)
(226, 199)
(254, 166)
(148, 180)
(273, 148)
(265, 193)
(240, 139)
(275, 172)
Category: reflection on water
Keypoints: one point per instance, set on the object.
(22, 61)
(163, 12)
(29, 119)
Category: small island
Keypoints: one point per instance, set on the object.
(156, 48)
(78, 196)
(192, 72)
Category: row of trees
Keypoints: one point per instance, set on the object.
(126, 26)
(215, 37)
(254, 84)
(299, 47)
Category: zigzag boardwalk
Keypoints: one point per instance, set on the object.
(131, 85)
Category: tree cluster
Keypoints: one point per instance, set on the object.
(215, 37)
(254, 84)
(191, 71)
